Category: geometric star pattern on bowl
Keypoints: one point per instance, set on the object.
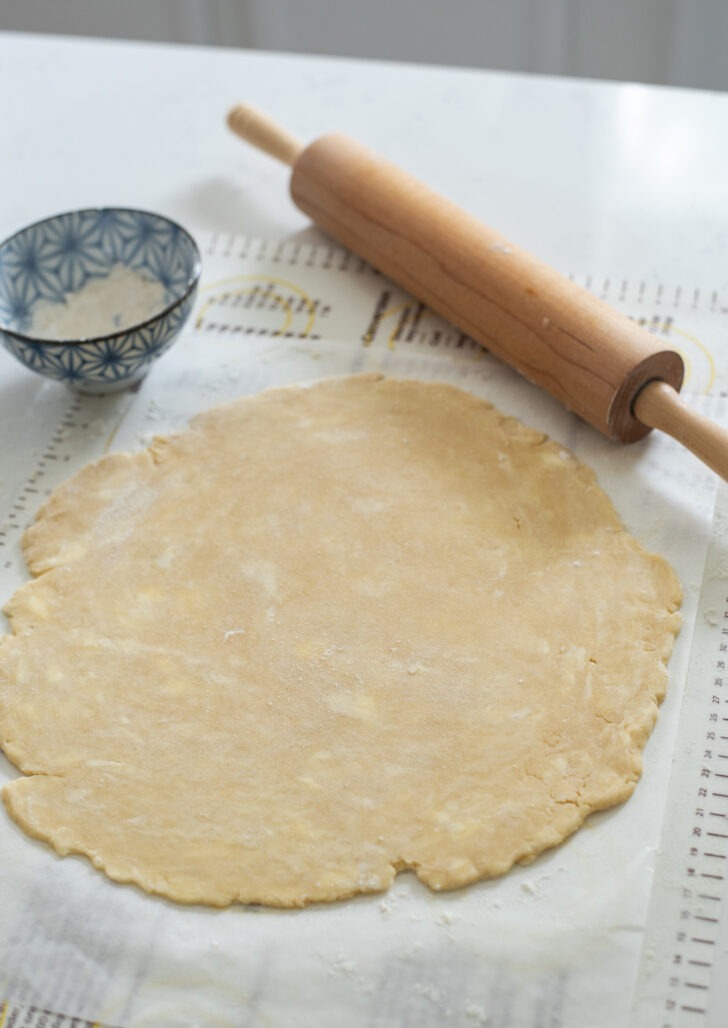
(58, 256)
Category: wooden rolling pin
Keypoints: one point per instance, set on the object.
(593, 359)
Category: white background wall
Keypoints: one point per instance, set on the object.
(672, 42)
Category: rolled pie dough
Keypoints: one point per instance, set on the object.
(324, 635)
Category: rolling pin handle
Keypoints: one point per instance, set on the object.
(659, 406)
(264, 133)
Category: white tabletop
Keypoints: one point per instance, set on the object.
(627, 179)
(621, 181)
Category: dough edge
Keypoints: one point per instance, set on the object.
(40, 563)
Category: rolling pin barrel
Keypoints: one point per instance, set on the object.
(591, 358)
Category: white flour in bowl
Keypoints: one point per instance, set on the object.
(122, 299)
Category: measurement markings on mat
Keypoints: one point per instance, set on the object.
(43, 478)
(311, 291)
(15, 1016)
(684, 959)
(56, 453)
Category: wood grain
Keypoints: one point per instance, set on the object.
(592, 358)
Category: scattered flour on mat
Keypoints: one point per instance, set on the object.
(475, 1013)
(344, 966)
(387, 906)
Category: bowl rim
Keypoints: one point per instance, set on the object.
(189, 288)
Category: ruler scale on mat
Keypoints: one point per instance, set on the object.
(278, 312)
(684, 971)
(54, 449)
(283, 279)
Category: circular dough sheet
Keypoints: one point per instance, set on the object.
(324, 635)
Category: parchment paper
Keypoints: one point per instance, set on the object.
(553, 944)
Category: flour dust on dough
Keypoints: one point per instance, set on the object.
(324, 635)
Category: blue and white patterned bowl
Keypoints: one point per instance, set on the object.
(53, 261)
